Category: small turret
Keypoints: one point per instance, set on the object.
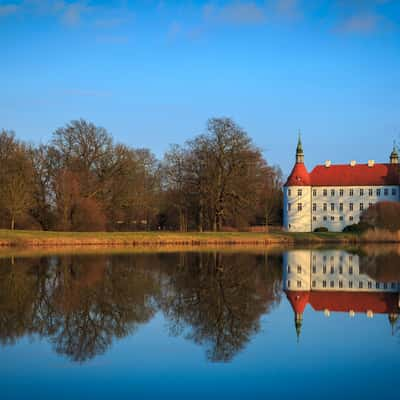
(394, 155)
(299, 151)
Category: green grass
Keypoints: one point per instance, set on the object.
(41, 238)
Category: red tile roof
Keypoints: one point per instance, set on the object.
(299, 176)
(358, 175)
(341, 301)
(298, 300)
(377, 302)
(345, 175)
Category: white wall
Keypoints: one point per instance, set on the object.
(331, 267)
(349, 216)
(294, 220)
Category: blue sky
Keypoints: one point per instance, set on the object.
(153, 72)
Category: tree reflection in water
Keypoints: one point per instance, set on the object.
(81, 302)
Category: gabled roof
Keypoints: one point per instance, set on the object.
(361, 302)
(345, 175)
(357, 175)
(343, 301)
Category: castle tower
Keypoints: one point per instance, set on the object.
(297, 196)
(394, 155)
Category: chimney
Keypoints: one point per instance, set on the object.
(353, 163)
(371, 163)
(328, 163)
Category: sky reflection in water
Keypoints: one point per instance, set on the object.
(216, 325)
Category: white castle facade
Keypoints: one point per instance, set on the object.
(334, 196)
(332, 281)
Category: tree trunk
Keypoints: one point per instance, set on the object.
(12, 223)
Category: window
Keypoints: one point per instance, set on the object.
(361, 192)
(325, 218)
(386, 192)
(332, 192)
(332, 284)
(369, 285)
(340, 284)
(341, 192)
(332, 258)
(350, 259)
(289, 192)
(332, 207)
(377, 285)
(288, 269)
(324, 269)
(314, 284)
(325, 192)
(299, 284)
(350, 284)
(324, 284)
(299, 192)
(288, 284)
(370, 192)
(351, 218)
(393, 285)
(385, 285)
(340, 270)
(378, 192)
(314, 192)
(314, 207)
(394, 192)
(360, 285)
(325, 206)
(361, 206)
(324, 258)
(332, 218)
(340, 206)
(332, 270)
(299, 269)
(351, 192)
(314, 218)
(299, 207)
(341, 218)
(350, 270)
(351, 206)
(314, 269)
(289, 207)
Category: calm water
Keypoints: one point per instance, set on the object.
(299, 323)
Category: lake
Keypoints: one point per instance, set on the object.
(298, 323)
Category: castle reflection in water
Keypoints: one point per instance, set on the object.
(335, 281)
(83, 303)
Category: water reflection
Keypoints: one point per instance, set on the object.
(337, 281)
(82, 303)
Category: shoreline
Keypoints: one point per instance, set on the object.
(29, 239)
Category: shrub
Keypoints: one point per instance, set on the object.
(321, 229)
(383, 215)
(357, 228)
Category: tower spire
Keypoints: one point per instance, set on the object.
(299, 151)
(394, 155)
(298, 322)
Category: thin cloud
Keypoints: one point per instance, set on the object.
(8, 9)
(288, 8)
(237, 13)
(367, 23)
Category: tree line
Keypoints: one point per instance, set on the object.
(82, 180)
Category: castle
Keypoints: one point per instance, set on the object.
(334, 196)
(334, 281)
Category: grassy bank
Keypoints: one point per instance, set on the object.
(54, 239)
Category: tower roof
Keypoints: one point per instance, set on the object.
(299, 176)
